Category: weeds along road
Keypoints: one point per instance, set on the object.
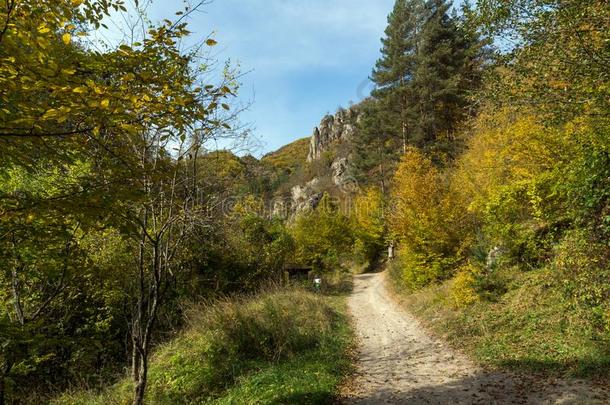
(400, 363)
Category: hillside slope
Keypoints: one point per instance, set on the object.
(279, 347)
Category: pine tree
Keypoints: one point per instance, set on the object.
(429, 62)
(446, 70)
(396, 67)
(374, 150)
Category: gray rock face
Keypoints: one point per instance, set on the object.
(281, 208)
(342, 176)
(305, 197)
(332, 129)
(340, 169)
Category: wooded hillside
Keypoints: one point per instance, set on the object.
(482, 156)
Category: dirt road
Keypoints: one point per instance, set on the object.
(399, 363)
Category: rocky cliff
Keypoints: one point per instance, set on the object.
(332, 130)
(321, 172)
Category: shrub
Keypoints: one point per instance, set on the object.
(418, 270)
(582, 269)
(464, 288)
(269, 328)
(322, 236)
(368, 224)
(227, 341)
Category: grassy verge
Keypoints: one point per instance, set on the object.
(280, 347)
(530, 327)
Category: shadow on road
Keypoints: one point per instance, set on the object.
(490, 388)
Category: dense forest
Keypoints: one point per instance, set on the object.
(482, 156)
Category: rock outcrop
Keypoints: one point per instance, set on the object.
(332, 129)
(305, 197)
(342, 176)
(327, 137)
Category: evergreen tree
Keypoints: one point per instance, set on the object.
(374, 149)
(443, 75)
(430, 61)
(396, 67)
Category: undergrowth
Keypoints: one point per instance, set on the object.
(278, 347)
(554, 319)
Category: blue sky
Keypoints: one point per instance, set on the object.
(305, 57)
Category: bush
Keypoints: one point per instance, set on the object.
(270, 328)
(464, 288)
(582, 270)
(419, 270)
(322, 236)
(228, 341)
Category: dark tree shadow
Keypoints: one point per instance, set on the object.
(491, 388)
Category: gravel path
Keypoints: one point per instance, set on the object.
(399, 363)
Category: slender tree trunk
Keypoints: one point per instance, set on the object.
(135, 360)
(147, 315)
(142, 379)
(404, 138)
(138, 321)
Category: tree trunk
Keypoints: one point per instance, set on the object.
(404, 138)
(140, 388)
(135, 361)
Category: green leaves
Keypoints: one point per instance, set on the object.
(89, 140)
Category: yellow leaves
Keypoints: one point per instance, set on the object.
(79, 90)
(211, 42)
(463, 289)
(42, 29)
(105, 103)
(68, 72)
(419, 215)
(30, 218)
(129, 128)
(51, 113)
(368, 211)
(59, 115)
(76, 3)
(505, 148)
(135, 101)
(42, 43)
(66, 38)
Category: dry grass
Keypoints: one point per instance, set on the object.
(247, 350)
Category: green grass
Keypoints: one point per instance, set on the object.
(531, 328)
(279, 347)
